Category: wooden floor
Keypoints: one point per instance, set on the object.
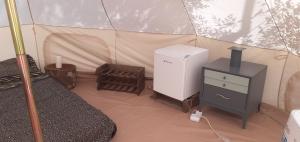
(144, 119)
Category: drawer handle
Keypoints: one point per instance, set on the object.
(223, 97)
(224, 85)
(224, 77)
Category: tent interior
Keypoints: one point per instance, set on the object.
(91, 33)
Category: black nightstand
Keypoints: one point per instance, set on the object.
(236, 90)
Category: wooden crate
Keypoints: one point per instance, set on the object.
(121, 78)
(187, 105)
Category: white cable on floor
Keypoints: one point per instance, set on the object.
(198, 116)
(224, 139)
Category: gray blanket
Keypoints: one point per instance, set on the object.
(64, 116)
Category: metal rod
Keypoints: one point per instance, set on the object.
(23, 66)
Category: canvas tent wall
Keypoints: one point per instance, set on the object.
(90, 33)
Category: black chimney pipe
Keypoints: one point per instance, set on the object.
(236, 56)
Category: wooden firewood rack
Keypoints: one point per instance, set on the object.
(121, 78)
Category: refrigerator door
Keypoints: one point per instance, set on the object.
(169, 76)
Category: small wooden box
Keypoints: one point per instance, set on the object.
(66, 75)
(121, 78)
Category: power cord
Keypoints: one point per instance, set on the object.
(223, 138)
(197, 115)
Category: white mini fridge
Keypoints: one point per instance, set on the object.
(177, 70)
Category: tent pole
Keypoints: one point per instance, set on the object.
(23, 66)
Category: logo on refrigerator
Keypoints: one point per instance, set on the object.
(166, 61)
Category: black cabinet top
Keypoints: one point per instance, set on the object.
(246, 69)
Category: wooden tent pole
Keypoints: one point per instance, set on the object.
(23, 66)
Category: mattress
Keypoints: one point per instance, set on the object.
(64, 116)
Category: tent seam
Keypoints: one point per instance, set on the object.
(113, 29)
(105, 11)
(288, 50)
(34, 32)
(188, 15)
(280, 84)
(2, 27)
(277, 27)
(274, 49)
(190, 19)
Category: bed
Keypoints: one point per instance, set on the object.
(64, 116)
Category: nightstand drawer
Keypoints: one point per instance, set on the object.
(226, 85)
(224, 97)
(227, 77)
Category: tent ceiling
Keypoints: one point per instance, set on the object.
(154, 16)
(71, 13)
(24, 13)
(261, 23)
(240, 21)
